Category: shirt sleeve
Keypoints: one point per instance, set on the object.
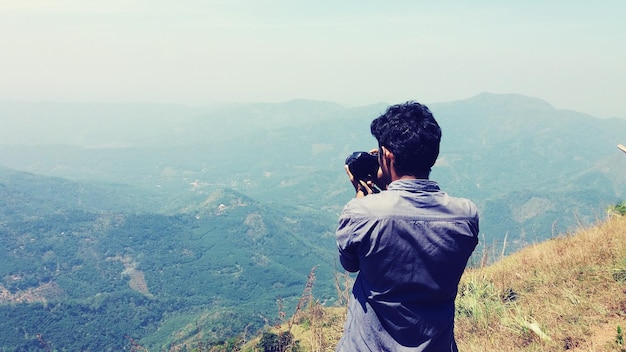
(347, 252)
(349, 236)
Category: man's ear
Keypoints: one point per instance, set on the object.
(387, 166)
(387, 154)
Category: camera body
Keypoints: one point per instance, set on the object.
(363, 165)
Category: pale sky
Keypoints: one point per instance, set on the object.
(569, 53)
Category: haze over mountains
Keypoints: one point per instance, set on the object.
(505, 151)
(207, 215)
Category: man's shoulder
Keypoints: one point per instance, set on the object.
(371, 202)
(464, 205)
(394, 203)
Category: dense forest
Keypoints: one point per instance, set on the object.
(88, 280)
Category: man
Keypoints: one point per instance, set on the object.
(410, 243)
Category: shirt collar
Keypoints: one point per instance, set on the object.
(414, 185)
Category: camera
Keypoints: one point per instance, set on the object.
(363, 165)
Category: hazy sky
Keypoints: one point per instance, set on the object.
(569, 53)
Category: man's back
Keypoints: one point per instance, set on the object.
(411, 244)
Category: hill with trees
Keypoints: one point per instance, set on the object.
(82, 269)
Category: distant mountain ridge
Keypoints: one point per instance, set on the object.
(494, 146)
(501, 150)
(97, 125)
(26, 193)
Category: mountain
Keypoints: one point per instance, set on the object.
(534, 170)
(151, 222)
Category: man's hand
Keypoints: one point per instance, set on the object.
(361, 187)
(378, 184)
(364, 188)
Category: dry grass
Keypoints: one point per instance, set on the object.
(315, 327)
(565, 294)
(568, 293)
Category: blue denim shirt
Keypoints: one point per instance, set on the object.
(410, 245)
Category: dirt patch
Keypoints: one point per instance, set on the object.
(41, 294)
(137, 280)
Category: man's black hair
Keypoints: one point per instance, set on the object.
(411, 133)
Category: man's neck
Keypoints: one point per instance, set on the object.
(408, 177)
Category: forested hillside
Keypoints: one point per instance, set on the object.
(84, 277)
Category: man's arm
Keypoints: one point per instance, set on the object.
(348, 254)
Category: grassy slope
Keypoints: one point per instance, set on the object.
(568, 293)
(565, 294)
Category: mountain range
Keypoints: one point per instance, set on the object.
(154, 221)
